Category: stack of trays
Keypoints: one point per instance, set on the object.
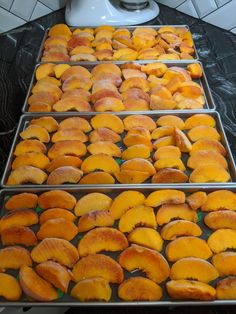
(120, 183)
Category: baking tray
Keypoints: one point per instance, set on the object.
(24, 121)
(66, 300)
(130, 28)
(209, 102)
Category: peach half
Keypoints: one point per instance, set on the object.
(177, 228)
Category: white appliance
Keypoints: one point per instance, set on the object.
(110, 12)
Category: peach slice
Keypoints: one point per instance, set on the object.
(40, 107)
(140, 215)
(221, 219)
(121, 32)
(148, 54)
(124, 201)
(109, 104)
(145, 30)
(169, 175)
(100, 162)
(104, 134)
(125, 54)
(196, 199)
(22, 217)
(42, 98)
(151, 262)
(57, 228)
(54, 213)
(97, 177)
(75, 122)
(198, 120)
(224, 262)
(169, 56)
(158, 103)
(167, 152)
(91, 202)
(103, 81)
(162, 92)
(79, 93)
(222, 239)
(128, 73)
(171, 121)
(205, 157)
(47, 87)
(37, 160)
(146, 237)
(49, 80)
(136, 105)
(169, 163)
(104, 147)
(104, 55)
(138, 163)
(158, 69)
(71, 103)
(104, 93)
(220, 200)
(26, 175)
(182, 141)
(162, 131)
(68, 147)
(139, 130)
(56, 198)
(202, 132)
(95, 288)
(54, 273)
(132, 176)
(167, 29)
(29, 146)
(62, 161)
(208, 144)
(209, 173)
(188, 103)
(187, 247)
(96, 218)
(135, 93)
(136, 151)
(106, 68)
(101, 84)
(21, 200)
(76, 82)
(58, 250)
(69, 134)
(14, 257)
(49, 123)
(195, 70)
(190, 289)
(167, 212)
(194, 268)
(135, 82)
(55, 56)
(109, 121)
(55, 41)
(102, 239)
(59, 69)
(59, 30)
(226, 289)
(36, 287)
(139, 289)
(10, 288)
(180, 228)
(18, 235)
(98, 265)
(132, 139)
(162, 197)
(190, 89)
(75, 70)
(44, 70)
(83, 57)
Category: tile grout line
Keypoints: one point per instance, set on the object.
(45, 5)
(33, 10)
(217, 10)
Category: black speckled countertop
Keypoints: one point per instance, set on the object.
(19, 49)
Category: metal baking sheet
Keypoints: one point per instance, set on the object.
(67, 300)
(24, 121)
(209, 102)
(130, 28)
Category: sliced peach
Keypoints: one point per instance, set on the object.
(34, 286)
(58, 250)
(225, 263)
(21, 200)
(182, 141)
(220, 200)
(148, 54)
(104, 55)
(136, 216)
(44, 70)
(69, 134)
(208, 144)
(37, 160)
(169, 175)
(135, 93)
(132, 176)
(134, 82)
(57, 228)
(14, 257)
(139, 130)
(29, 146)
(42, 98)
(76, 82)
(71, 103)
(209, 173)
(49, 80)
(55, 41)
(139, 121)
(136, 105)
(139, 289)
(189, 289)
(91, 202)
(49, 123)
(62, 161)
(83, 57)
(47, 87)
(171, 121)
(145, 30)
(121, 31)
(149, 261)
(195, 70)
(162, 131)
(167, 152)
(205, 157)
(177, 228)
(95, 288)
(157, 68)
(226, 289)
(109, 104)
(40, 107)
(68, 147)
(187, 247)
(184, 47)
(76, 122)
(136, 151)
(203, 132)
(158, 103)
(162, 197)
(99, 162)
(125, 54)
(96, 218)
(56, 198)
(79, 93)
(75, 70)
(169, 56)
(104, 93)
(59, 29)
(63, 175)
(98, 265)
(221, 219)
(54, 213)
(169, 163)
(104, 134)
(77, 41)
(10, 288)
(106, 81)
(164, 141)
(102, 84)
(53, 56)
(128, 73)
(146, 237)
(59, 69)
(132, 139)
(104, 147)
(35, 131)
(188, 103)
(196, 199)
(106, 68)
(108, 121)
(124, 201)
(18, 235)
(190, 89)
(102, 239)
(97, 177)
(222, 239)
(26, 175)
(138, 163)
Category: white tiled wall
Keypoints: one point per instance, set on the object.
(14, 13)
(221, 13)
